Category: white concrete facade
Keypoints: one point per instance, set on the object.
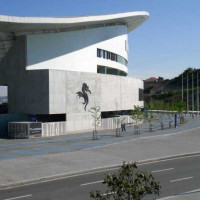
(106, 92)
(77, 50)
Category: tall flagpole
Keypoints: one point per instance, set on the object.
(187, 93)
(182, 87)
(198, 93)
(192, 94)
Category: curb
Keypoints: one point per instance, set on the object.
(90, 171)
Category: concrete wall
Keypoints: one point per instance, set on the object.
(107, 91)
(28, 91)
(76, 50)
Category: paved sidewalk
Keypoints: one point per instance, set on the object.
(101, 153)
(42, 146)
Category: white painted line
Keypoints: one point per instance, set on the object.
(197, 190)
(181, 179)
(109, 193)
(162, 170)
(171, 197)
(84, 184)
(167, 158)
(192, 129)
(25, 196)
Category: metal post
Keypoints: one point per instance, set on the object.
(187, 93)
(197, 93)
(175, 120)
(192, 95)
(182, 87)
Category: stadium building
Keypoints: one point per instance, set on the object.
(58, 68)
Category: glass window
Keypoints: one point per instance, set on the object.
(109, 70)
(112, 71)
(101, 53)
(121, 73)
(104, 54)
(101, 70)
(98, 52)
(111, 56)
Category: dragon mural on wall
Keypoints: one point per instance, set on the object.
(84, 94)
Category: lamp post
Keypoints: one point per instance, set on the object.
(182, 87)
(192, 96)
(187, 93)
(198, 93)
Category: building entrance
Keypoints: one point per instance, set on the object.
(3, 99)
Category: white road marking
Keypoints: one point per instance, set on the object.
(171, 197)
(162, 170)
(167, 158)
(181, 179)
(109, 193)
(25, 196)
(84, 184)
(197, 190)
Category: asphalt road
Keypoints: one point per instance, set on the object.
(176, 175)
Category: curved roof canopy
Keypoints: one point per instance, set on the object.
(10, 27)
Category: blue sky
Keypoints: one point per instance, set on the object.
(167, 44)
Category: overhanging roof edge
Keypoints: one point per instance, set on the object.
(131, 19)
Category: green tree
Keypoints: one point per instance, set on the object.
(160, 78)
(180, 107)
(128, 184)
(160, 107)
(151, 105)
(96, 115)
(137, 116)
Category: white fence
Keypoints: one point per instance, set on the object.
(54, 129)
(65, 128)
(109, 123)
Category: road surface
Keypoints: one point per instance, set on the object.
(176, 175)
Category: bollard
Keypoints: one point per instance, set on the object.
(175, 120)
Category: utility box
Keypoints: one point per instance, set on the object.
(24, 130)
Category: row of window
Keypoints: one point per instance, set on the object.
(111, 56)
(108, 70)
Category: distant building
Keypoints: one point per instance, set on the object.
(151, 79)
(58, 68)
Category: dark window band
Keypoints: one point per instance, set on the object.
(108, 70)
(111, 56)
